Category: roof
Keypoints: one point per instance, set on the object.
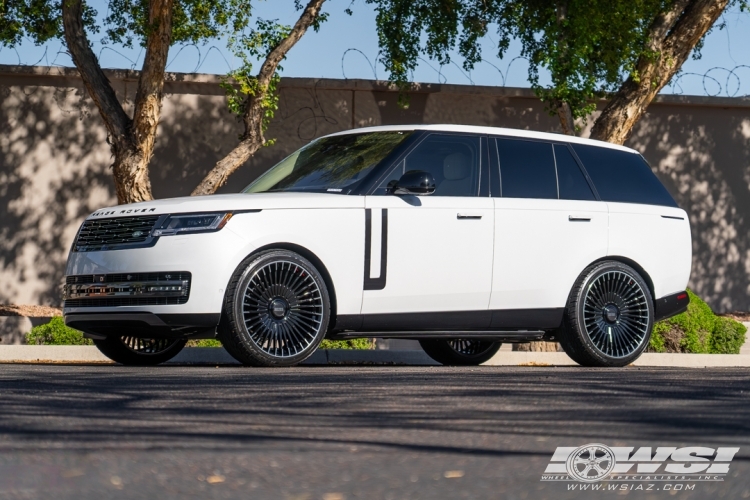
(511, 132)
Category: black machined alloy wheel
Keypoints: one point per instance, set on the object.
(616, 314)
(609, 317)
(139, 351)
(460, 352)
(278, 310)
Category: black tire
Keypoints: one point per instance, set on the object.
(139, 352)
(609, 316)
(460, 352)
(276, 310)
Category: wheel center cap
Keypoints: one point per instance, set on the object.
(278, 308)
(611, 313)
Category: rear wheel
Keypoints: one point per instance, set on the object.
(139, 352)
(609, 316)
(276, 310)
(460, 352)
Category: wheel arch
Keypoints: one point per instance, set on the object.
(630, 262)
(320, 266)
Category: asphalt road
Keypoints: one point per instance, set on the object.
(332, 433)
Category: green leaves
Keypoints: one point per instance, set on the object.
(586, 46)
(195, 21)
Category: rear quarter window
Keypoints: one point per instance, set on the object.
(620, 176)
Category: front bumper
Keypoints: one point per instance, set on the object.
(131, 284)
(143, 324)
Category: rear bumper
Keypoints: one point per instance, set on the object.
(671, 305)
(142, 324)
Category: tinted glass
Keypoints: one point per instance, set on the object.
(572, 183)
(452, 160)
(330, 164)
(623, 177)
(527, 169)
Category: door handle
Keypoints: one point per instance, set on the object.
(578, 218)
(468, 216)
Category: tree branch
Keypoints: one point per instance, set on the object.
(252, 116)
(148, 97)
(96, 83)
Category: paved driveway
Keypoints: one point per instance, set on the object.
(349, 432)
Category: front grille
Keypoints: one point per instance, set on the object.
(126, 301)
(114, 278)
(119, 232)
(127, 289)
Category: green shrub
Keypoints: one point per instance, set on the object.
(348, 344)
(699, 331)
(56, 333)
(203, 343)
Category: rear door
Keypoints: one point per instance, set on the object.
(548, 227)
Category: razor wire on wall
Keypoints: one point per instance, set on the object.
(717, 81)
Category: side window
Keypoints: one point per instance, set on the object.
(620, 176)
(572, 183)
(453, 161)
(527, 169)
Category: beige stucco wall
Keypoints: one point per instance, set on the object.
(54, 160)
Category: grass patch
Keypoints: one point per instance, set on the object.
(698, 331)
(348, 344)
(203, 343)
(56, 333)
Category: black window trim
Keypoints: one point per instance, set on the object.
(416, 141)
(583, 169)
(552, 143)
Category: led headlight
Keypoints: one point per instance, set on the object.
(192, 223)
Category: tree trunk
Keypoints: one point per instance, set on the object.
(131, 140)
(566, 118)
(672, 37)
(252, 139)
(540, 346)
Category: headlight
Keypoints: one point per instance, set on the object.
(193, 223)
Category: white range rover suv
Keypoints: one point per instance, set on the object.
(460, 237)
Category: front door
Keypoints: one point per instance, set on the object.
(432, 253)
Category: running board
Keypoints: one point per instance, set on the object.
(496, 335)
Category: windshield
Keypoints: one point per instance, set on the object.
(330, 164)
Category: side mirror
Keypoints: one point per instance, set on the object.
(415, 182)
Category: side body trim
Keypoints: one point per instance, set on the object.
(453, 321)
(379, 282)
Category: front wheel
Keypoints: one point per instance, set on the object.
(460, 352)
(609, 316)
(139, 352)
(276, 310)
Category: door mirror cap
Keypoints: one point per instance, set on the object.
(415, 182)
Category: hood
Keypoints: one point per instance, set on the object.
(233, 202)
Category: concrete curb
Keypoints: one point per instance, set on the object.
(216, 356)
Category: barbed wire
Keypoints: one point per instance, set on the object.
(717, 81)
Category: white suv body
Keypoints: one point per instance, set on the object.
(461, 237)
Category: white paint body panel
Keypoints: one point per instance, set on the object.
(660, 245)
(539, 252)
(436, 261)
(329, 226)
(521, 254)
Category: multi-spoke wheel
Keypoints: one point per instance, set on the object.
(276, 310)
(609, 317)
(138, 351)
(460, 352)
